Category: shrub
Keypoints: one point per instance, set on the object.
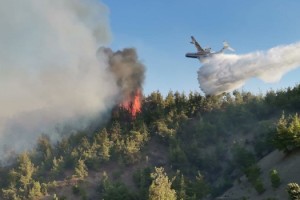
(259, 187)
(275, 179)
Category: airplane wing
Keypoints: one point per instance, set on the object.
(197, 45)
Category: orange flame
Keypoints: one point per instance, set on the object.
(133, 104)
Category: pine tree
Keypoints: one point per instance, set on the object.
(293, 190)
(25, 171)
(81, 170)
(180, 186)
(200, 187)
(21, 179)
(103, 145)
(35, 191)
(10, 193)
(287, 137)
(160, 189)
(85, 149)
(45, 151)
(275, 179)
(57, 166)
(169, 101)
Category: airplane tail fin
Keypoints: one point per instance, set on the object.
(192, 40)
(226, 46)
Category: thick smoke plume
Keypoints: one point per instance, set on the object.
(226, 72)
(128, 71)
(51, 76)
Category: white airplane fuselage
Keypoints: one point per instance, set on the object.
(203, 53)
(200, 55)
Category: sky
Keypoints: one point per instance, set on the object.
(160, 31)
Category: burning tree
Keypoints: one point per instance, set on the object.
(133, 103)
(129, 73)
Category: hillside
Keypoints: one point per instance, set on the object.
(205, 146)
(287, 167)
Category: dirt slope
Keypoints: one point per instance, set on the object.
(288, 167)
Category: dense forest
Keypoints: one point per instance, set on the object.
(181, 146)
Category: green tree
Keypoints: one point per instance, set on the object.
(114, 191)
(21, 179)
(163, 130)
(133, 144)
(293, 190)
(180, 101)
(57, 167)
(35, 191)
(194, 104)
(85, 149)
(143, 180)
(25, 171)
(259, 186)
(160, 188)
(287, 137)
(118, 191)
(177, 155)
(199, 188)
(81, 170)
(238, 97)
(252, 173)
(10, 193)
(63, 148)
(153, 107)
(13, 177)
(102, 145)
(169, 101)
(242, 157)
(275, 179)
(45, 151)
(180, 186)
(55, 197)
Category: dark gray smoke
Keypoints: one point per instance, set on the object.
(226, 72)
(128, 71)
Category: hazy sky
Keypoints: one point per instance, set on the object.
(161, 30)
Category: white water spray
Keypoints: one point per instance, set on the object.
(226, 72)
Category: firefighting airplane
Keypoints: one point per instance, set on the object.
(206, 52)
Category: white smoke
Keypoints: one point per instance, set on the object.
(226, 72)
(49, 72)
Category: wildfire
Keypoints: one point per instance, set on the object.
(133, 103)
